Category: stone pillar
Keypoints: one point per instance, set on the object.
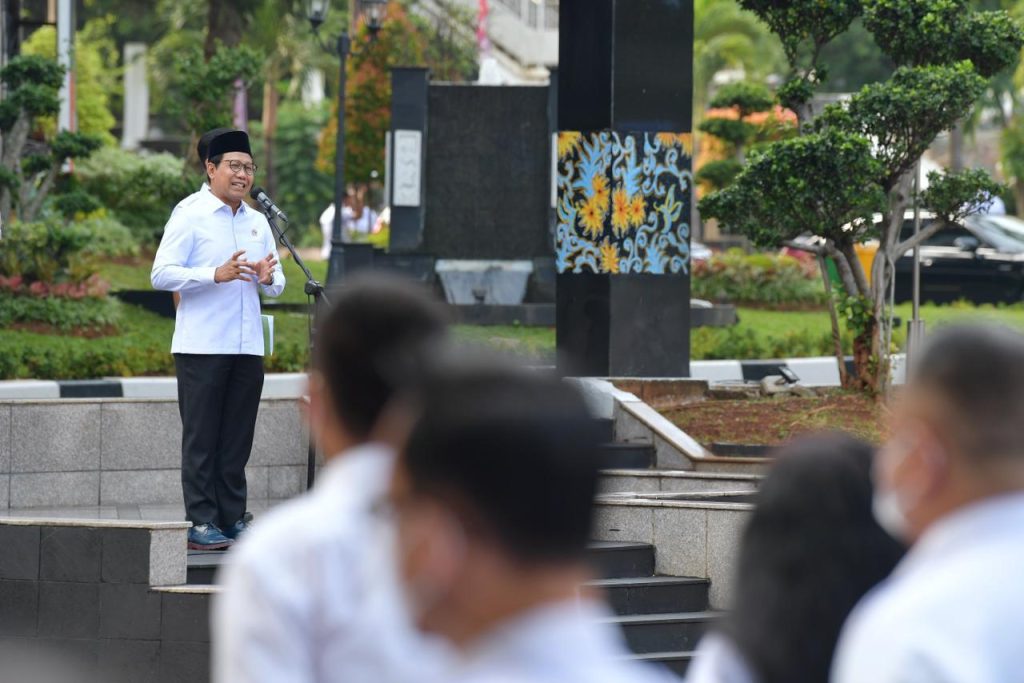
(409, 87)
(624, 186)
(136, 96)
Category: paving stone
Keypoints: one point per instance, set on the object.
(624, 523)
(57, 437)
(140, 487)
(5, 438)
(183, 661)
(278, 438)
(143, 435)
(167, 557)
(69, 610)
(680, 535)
(55, 489)
(19, 606)
(125, 555)
(70, 554)
(286, 482)
(725, 529)
(129, 661)
(19, 552)
(129, 611)
(185, 616)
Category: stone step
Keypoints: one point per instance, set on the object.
(627, 456)
(621, 559)
(676, 662)
(654, 594)
(674, 481)
(606, 429)
(678, 632)
(610, 560)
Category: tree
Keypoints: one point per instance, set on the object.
(97, 76)
(208, 87)
(33, 84)
(400, 42)
(854, 159)
(726, 37)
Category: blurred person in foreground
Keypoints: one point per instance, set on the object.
(951, 481)
(493, 498)
(307, 594)
(811, 550)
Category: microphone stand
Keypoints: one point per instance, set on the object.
(315, 290)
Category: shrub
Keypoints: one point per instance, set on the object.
(139, 190)
(54, 251)
(49, 251)
(768, 280)
(63, 313)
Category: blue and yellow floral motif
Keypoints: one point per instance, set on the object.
(623, 202)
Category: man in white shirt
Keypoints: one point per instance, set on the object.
(951, 480)
(493, 497)
(308, 595)
(203, 150)
(218, 253)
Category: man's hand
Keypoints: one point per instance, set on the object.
(234, 268)
(265, 269)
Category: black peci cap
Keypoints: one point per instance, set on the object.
(232, 141)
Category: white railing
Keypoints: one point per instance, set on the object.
(538, 14)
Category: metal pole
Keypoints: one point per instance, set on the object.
(336, 265)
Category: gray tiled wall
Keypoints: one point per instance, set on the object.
(127, 452)
(81, 596)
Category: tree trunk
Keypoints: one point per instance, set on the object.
(270, 101)
(956, 147)
(865, 362)
(1018, 195)
(225, 23)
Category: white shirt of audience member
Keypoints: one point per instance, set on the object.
(718, 660)
(310, 594)
(574, 641)
(952, 611)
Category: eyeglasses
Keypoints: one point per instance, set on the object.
(236, 166)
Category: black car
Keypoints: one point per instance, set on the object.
(980, 260)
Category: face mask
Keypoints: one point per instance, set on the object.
(424, 590)
(890, 506)
(890, 515)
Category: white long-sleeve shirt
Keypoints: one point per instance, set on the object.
(310, 595)
(952, 611)
(213, 317)
(564, 642)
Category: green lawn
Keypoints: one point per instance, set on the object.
(143, 346)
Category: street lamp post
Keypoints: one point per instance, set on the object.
(374, 10)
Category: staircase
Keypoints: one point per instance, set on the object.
(661, 617)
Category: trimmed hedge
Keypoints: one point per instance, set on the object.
(758, 280)
(62, 313)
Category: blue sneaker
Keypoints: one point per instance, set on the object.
(239, 527)
(207, 537)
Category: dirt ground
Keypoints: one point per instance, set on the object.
(774, 421)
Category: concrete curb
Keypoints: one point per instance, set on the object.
(275, 385)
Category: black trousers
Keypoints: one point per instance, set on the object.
(218, 398)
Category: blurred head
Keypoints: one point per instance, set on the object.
(957, 432)
(369, 345)
(493, 497)
(811, 550)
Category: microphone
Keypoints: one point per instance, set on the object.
(260, 195)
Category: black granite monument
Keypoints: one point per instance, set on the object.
(624, 187)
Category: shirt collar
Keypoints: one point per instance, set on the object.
(966, 528)
(214, 203)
